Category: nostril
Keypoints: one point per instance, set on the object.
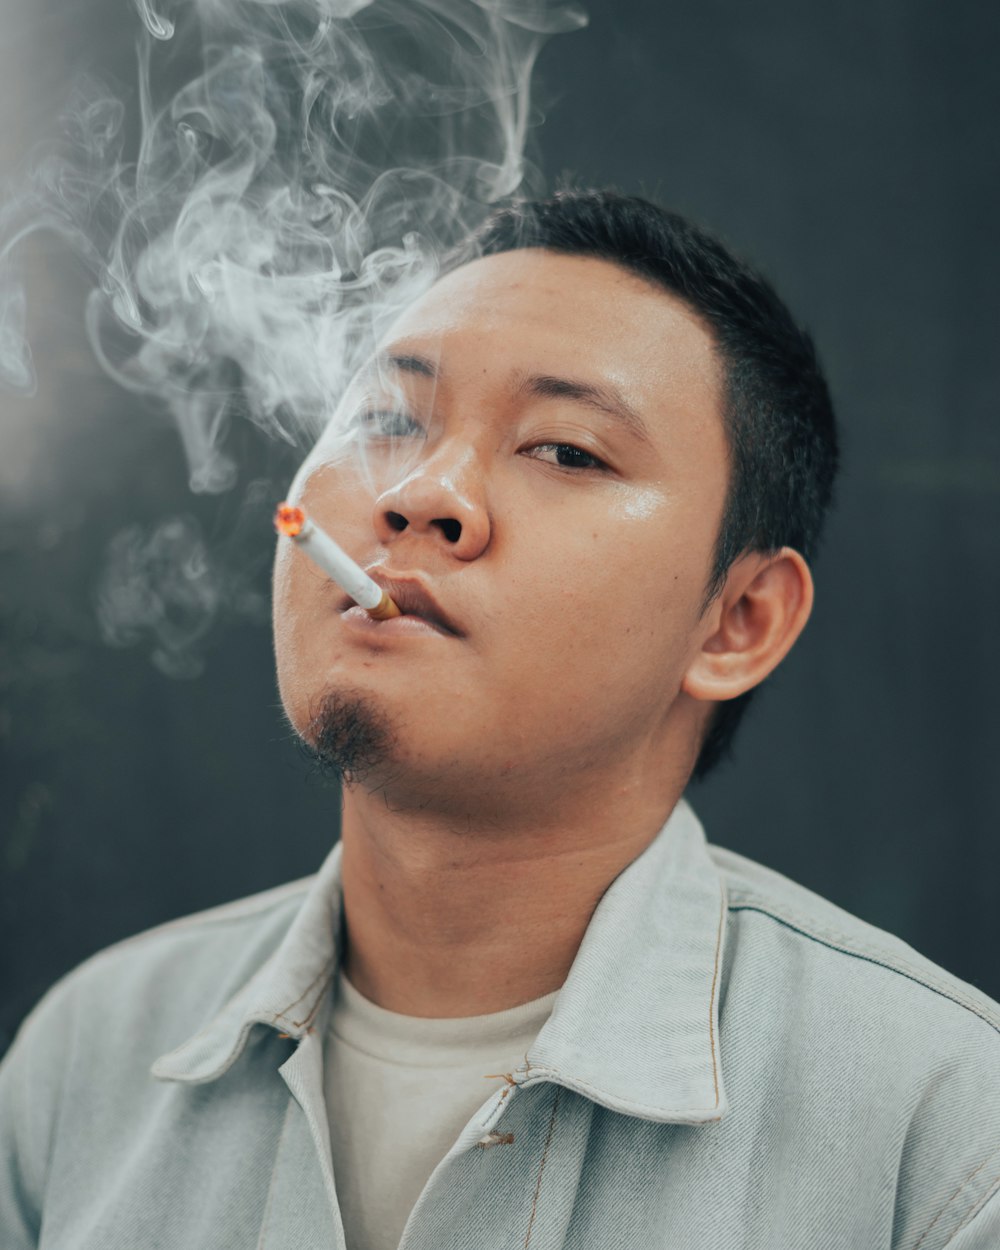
(397, 521)
(451, 529)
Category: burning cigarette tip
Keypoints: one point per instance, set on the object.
(289, 520)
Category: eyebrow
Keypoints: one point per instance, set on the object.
(603, 398)
(404, 362)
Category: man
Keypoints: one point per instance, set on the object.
(523, 1003)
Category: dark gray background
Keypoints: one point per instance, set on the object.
(851, 150)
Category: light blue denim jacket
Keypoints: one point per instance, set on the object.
(732, 1062)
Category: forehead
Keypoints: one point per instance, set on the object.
(537, 311)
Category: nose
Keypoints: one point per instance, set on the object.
(440, 500)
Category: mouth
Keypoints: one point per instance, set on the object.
(413, 600)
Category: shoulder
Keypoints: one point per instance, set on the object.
(877, 1052)
(167, 979)
(843, 949)
(83, 1054)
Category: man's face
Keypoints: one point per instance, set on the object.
(544, 454)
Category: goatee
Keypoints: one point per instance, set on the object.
(347, 737)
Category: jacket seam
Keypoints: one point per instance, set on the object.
(323, 979)
(899, 968)
(851, 945)
(541, 1166)
(646, 1107)
(971, 1215)
(712, 995)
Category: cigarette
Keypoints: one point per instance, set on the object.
(293, 523)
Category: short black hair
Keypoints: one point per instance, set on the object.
(779, 417)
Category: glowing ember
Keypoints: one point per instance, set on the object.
(317, 544)
(288, 520)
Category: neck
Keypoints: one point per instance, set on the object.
(447, 918)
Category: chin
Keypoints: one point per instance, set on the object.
(348, 734)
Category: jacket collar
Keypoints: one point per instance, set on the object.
(634, 1027)
(287, 992)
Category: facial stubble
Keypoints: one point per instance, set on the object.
(349, 738)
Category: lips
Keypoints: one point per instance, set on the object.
(413, 600)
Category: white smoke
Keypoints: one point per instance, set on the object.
(164, 583)
(285, 201)
(281, 204)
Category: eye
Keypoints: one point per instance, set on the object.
(388, 423)
(566, 456)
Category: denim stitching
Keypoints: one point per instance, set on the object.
(639, 1106)
(541, 1167)
(326, 976)
(975, 1210)
(900, 967)
(711, 998)
(851, 945)
(950, 1199)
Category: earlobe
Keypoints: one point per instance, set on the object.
(755, 622)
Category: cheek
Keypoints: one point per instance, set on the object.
(618, 592)
(283, 598)
(301, 645)
(639, 504)
(667, 540)
(286, 613)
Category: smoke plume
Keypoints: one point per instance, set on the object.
(285, 187)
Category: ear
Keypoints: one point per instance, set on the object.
(752, 625)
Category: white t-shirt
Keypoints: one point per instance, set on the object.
(399, 1090)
